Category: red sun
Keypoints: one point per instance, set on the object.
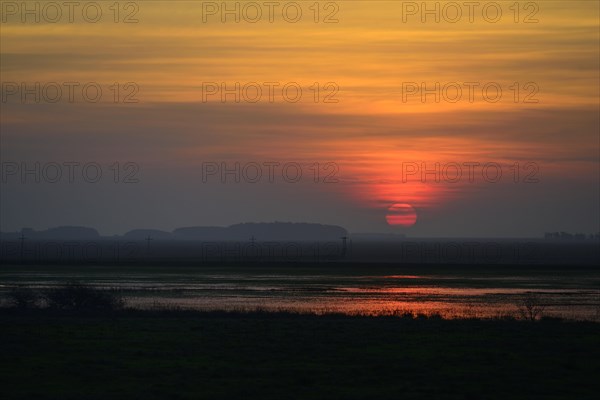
(401, 215)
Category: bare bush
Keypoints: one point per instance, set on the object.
(531, 307)
(23, 298)
(78, 297)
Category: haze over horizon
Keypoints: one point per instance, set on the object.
(90, 232)
(399, 128)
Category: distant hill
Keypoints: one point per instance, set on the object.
(201, 233)
(141, 234)
(263, 232)
(58, 233)
(260, 232)
(287, 231)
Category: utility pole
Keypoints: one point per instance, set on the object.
(148, 239)
(22, 238)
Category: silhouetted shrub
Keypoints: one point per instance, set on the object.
(23, 298)
(531, 307)
(78, 297)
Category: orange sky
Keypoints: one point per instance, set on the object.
(370, 54)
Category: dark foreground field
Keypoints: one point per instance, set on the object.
(146, 355)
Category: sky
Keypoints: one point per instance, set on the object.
(481, 120)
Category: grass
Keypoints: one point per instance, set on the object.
(192, 355)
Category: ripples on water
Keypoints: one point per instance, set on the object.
(478, 294)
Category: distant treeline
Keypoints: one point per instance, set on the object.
(238, 232)
(569, 236)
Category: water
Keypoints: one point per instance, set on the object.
(480, 293)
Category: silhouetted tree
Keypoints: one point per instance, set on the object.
(531, 307)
